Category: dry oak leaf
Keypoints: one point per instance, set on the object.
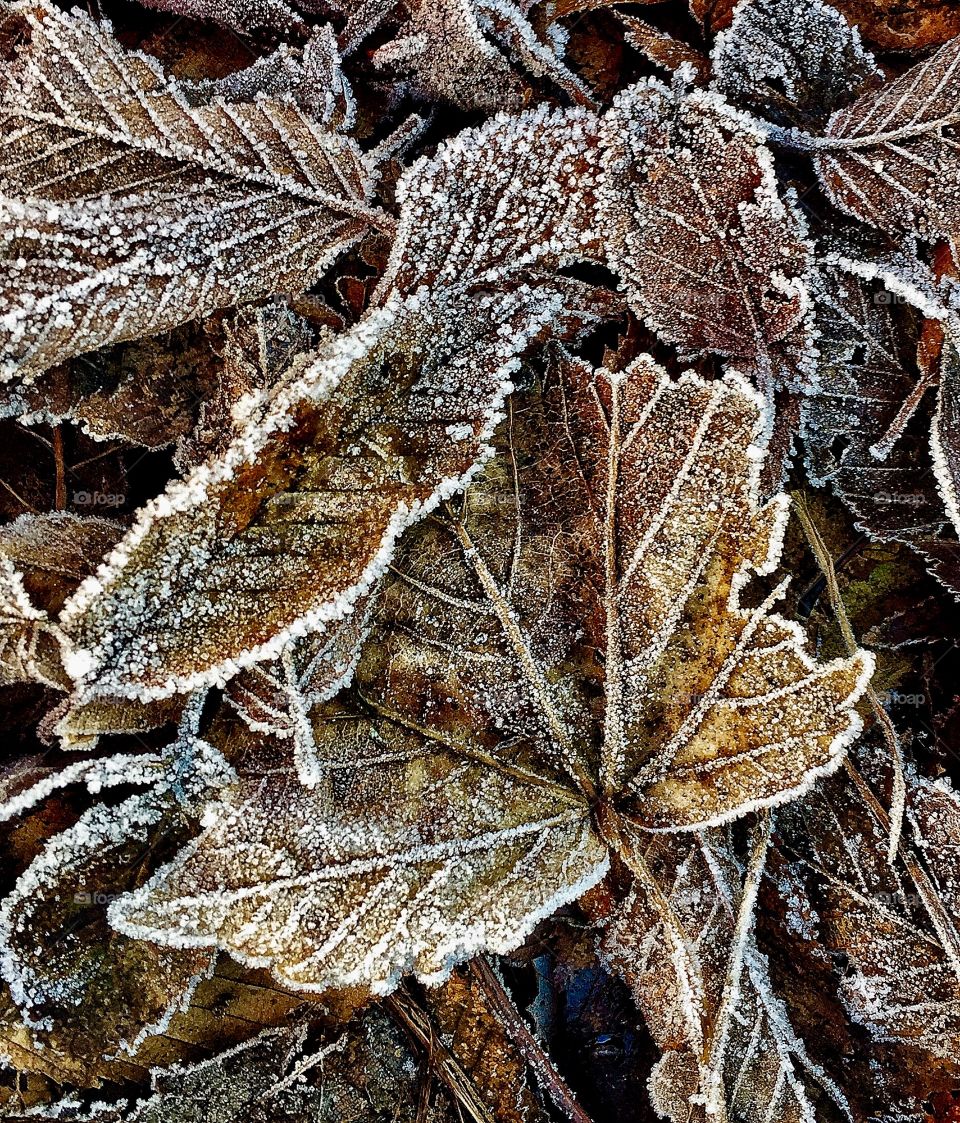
(892, 159)
(729, 1048)
(297, 519)
(557, 654)
(125, 210)
(708, 254)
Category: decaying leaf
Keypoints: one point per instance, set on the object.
(709, 255)
(43, 558)
(88, 988)
(202, 207)
(362, 1074)
(436, 615)
(295, 521)
(897, 930)
(858, 428)
(522, 696)
(311, 75)
(903, 25)
(467, 51)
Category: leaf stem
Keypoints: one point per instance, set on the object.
(825, 561)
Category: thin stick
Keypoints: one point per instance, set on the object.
(60, 487)
(825, 561)
(416, 1021)
(530, 1048)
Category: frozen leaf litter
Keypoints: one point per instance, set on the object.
(445, 369)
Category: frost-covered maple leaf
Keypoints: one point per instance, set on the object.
(561, 662)
(125, 209)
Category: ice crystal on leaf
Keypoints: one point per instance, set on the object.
(203, 207)
(890, 158)
(294, 521)
(466, 51)
(600, 654)
(859, 427)
(437, 599)
(709, 254)
(727, 1040)
(789, 61)
(894, 923)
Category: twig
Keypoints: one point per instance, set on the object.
(825, 561)
(530, 1048)
(416, 1021)
(60, 486)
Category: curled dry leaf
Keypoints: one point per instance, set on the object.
(311, 75)
(476, 54)
(203, 207)
(523, 696)
(708, 253)
(295, 521)
(88, 989)
(43, 558)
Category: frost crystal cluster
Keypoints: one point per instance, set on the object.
(479, 497)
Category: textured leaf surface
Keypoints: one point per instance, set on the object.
(891, 159)
(867, 428)
(95, 989)
(477, 54)
(292, 524)
(793, 62)
(898, 933)
(726, 1036)
(708, 254)
(451, 806)
(126, 210)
